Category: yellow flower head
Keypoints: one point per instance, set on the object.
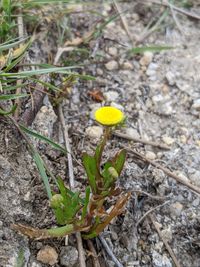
(109, 116)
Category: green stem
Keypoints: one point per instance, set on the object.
(61, 231)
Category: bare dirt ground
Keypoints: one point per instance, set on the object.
(160, 95)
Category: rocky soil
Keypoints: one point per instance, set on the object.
(160, 95)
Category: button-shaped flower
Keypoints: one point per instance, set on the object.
(109, 116)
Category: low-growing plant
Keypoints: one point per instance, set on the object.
(89, 215)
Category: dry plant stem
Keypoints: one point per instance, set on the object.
(140, 140)
(20, 25)
(109, 251)
(195, 188)
(94, 254)
(148, 212)
(123, 19)
(176, 19)
(67, 146)
(148, 195)
(164, 241)
(71, 179)
(29, 115)
(180, 10)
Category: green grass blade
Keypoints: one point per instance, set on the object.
(3, 112)
(11, 97)
(24, 74)
(43, 138)
(40, 166)
(12, 43)
(154, 48)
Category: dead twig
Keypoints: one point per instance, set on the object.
(94, 254)
(171, 253)
(71, 179)
(29, 115)
(109, 251)
(195, 188)
(148, 195)
(123, 20)
(148, 212)
(176, 19)
(140, 140)
(178, 9)
(20, 25)
(67, 145)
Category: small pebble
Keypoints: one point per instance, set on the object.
(167, 234)
(94, 131)
(196, 104)
(195, 178)
(111, 95)
(69, 256)
(171, 78)
(182, 176)
(168, 140)
(111, 65)
(47, 255)
(113, 104)
(151, 70)
(150, 155)
(127, 66)
(146, 59)
(176, 209)
(132, 133)
(113, 51)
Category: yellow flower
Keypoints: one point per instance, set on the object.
(109, 116)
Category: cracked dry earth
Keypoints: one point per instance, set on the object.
(160, 95)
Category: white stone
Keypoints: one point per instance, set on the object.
(111, 95)
(171, 78)
(150, 155)
(176, 209)
(195, 178)
(113, 104)
(132, 133)
(196, 104)
(182, 176)
(167, 234)
(146, 59)
(168, 140)
(152, 68)
(111, 65)
(47, 255)
(94, 131)
(113, 51)
(127, 66)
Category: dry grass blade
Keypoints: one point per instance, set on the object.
(71, 179)
(109, 251)
(140, 140)
(180, 10)
(195, 188)
(171, 253)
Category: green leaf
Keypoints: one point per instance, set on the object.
(20, 259)
(19, 57)
(13, 96)
(89, 163)
(43, 138)
(119, 160)
(40, 166)
(142, 49)
(12, 43)
(87, 198)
